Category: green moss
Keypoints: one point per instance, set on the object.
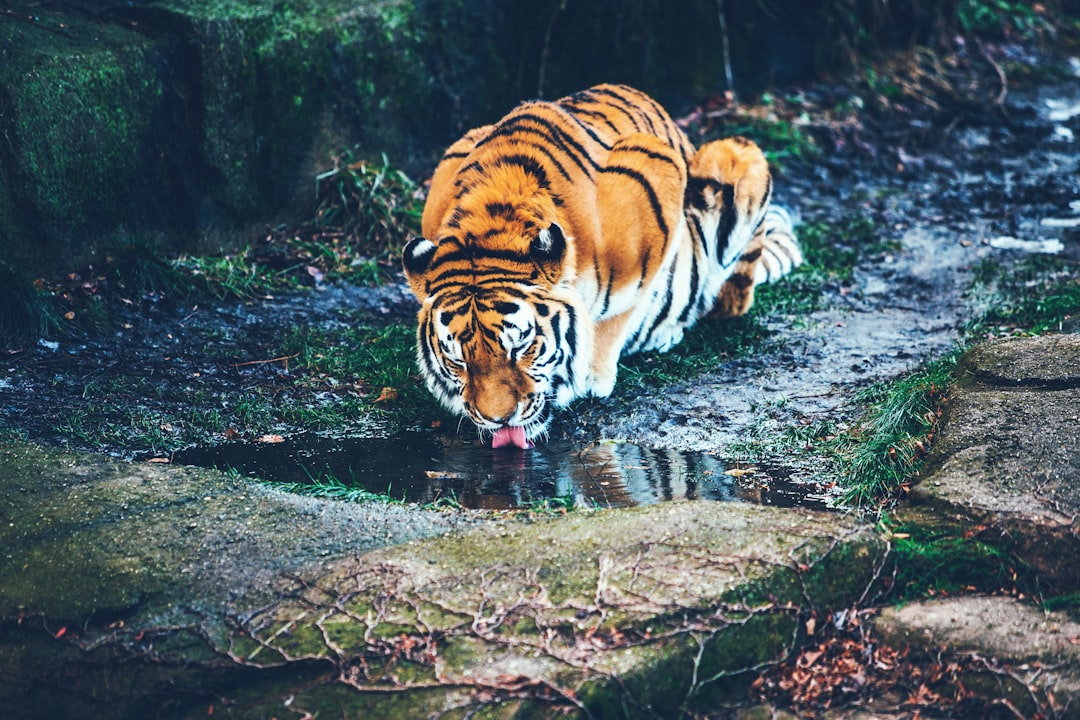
(381, 360)
(934, 560)
(80, 166)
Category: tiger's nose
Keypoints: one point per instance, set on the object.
(497, 410)
(496, 402)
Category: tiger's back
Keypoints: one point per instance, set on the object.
(567, 234)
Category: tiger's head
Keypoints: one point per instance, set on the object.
(502, 336)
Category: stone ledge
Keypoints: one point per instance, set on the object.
(215, 591)
(1029, 657)
(1004, 460)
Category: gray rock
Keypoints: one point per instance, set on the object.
(1005, 457)
(1026, 655)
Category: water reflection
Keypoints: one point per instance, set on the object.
(421, 467)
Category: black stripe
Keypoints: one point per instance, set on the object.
(500, 210)
(669, 124)
(740, 281)
(621, 108)
(654, 201)
(529, 164)
(453, 155)
(633, 106)
(542, 147)
(607, 293)
(694, 280)
(663, 157)
(751, 255)
(475, 275)
(515, 124)
(695, 192)
(573, 112)
(458, 215)
(434, 369)
(727, 218)
(698, 232)
(669, 297)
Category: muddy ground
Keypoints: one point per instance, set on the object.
(173, 380)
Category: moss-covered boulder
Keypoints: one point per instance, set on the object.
(138, 588)
(189, 122)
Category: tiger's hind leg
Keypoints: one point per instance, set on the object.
(773, 253)
(727, 191)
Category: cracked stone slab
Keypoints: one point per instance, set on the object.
(1029, 656)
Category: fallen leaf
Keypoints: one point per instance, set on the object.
(388, 394)
(739, 472)
(270, 439)
(159, 460)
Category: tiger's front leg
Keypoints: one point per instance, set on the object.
(608, 338)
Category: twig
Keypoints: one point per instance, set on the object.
(1000, 101)
(728, 74)
(283, 359)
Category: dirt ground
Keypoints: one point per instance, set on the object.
(946, 191)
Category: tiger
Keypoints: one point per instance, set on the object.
(574, 232)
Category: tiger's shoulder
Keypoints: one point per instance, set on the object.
(560, 143)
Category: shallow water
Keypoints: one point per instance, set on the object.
(425, 468)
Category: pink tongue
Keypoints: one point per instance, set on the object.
(512, 436)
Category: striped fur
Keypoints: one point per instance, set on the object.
(573, 232)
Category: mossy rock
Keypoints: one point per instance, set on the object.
(1002, 470)
(662, 609)
(176, 589)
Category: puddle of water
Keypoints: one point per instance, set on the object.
(423, 468)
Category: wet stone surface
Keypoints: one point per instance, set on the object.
(1004, 462)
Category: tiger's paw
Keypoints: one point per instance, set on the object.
(601, 382)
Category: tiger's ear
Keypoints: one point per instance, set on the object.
(549, 245)
(415, 258)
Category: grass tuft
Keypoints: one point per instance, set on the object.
(140, 271)
(883, 451)
(25, 311)
(328, 486)
(1039, 294)
(376, 368)
(376, 205)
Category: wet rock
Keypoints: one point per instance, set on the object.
(87, 536)
(1028, 657)
(1048, 362)
(217, 593)
(1004, 460)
